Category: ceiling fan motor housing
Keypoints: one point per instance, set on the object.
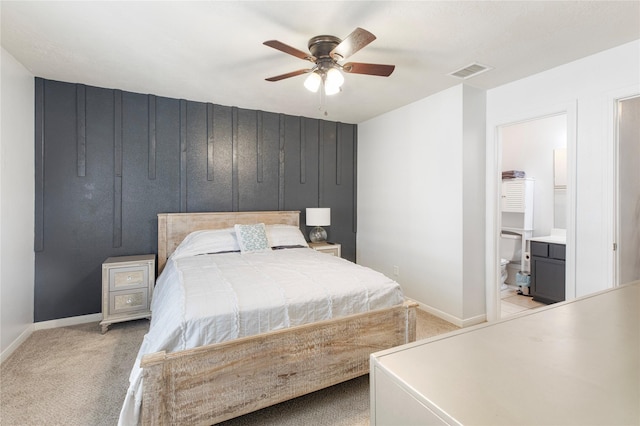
(322, 45)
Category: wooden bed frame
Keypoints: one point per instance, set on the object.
(217, 382)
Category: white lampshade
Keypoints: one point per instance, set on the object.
(319, 216)
(334, 77)
(312, 83)
(333, 81)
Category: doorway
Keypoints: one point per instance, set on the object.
(534, 149)
(627, 192)
(493, 212)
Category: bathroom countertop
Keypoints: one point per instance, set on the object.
(550, 239)
(558, 236)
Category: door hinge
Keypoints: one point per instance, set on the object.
(615, 246)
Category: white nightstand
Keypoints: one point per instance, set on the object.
(127, 287)
(333, 249)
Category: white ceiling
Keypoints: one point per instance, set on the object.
(212, 51)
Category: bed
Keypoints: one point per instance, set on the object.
(263, 357)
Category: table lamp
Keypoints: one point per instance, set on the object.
(318, 217)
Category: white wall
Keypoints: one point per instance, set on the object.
(473, 208)
(529, 146)
(417, 208)
(589, 84)
(412, 186)
(17, 196)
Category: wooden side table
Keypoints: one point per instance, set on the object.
(333, 249)
(127, 287)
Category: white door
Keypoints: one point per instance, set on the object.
(627, 263)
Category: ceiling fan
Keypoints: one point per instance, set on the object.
(326, 52)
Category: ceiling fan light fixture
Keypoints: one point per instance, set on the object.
(334, 78)
(325, 52)
(312, 82)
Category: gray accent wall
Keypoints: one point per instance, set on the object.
(108, 161)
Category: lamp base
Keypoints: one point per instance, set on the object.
(318, 235)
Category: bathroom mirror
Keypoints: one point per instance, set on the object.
(560, 188)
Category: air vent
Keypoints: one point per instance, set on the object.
(470, 71)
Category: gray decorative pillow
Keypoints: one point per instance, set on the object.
(252, 238)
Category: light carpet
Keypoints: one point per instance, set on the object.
(78, 376)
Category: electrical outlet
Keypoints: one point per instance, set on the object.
(396, 270)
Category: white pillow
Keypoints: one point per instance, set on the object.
(207, 241)
(252, 238)
(285, 235)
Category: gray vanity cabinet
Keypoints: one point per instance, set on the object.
(548, 272)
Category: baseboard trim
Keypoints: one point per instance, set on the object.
(462, 323)
(479, 319)
(65, 322)
(16, 343)
(44, 325)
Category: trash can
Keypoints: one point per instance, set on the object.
(523, 281)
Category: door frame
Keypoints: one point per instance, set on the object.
(493, 182)
(612, 176)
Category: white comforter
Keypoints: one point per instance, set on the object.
(214, 298)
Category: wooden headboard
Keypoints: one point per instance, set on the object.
(174, 227)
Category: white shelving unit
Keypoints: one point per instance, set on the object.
(517, 210)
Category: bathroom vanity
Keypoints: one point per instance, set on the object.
(548, 276)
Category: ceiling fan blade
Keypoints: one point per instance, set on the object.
(370, 69)
(278, 45)
(355, 41)
(287, 75)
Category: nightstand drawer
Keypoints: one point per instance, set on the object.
(128, 278)
(333, 251)
(128, 301)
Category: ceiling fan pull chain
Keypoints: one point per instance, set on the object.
(323, 99)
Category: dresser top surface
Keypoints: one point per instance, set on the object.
(572, 363)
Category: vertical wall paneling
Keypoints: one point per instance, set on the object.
(219, 192)
(183, 155)
(117, 168)
(38, 243)
(210, 141)
(281, 161)
(259, 148)
(303, 151)
(153, 148)
(81, 129)
(320, 164)
(258, 157)
(354, 172)
(145, 154)
(301, 164)
(338, 156)
(235, 202)
(337, 183)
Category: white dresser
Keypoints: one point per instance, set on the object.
(572, 363)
